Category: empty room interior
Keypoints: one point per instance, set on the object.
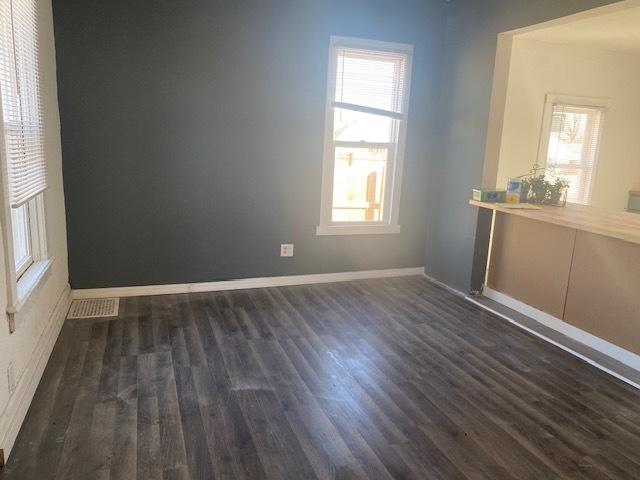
(320, 239)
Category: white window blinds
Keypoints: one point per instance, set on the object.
(371, 81)
(22, 120)
(573, 148)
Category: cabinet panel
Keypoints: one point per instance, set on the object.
(530, 261)
(604, 290)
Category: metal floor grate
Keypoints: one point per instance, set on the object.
(94, 307)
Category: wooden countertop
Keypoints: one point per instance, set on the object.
(610, 223)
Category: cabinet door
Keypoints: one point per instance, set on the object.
(530, 261)
(604, 289)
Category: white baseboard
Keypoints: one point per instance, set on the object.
(19, 402)
(244, 283)
(626, 357)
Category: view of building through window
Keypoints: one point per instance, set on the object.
(358, 187)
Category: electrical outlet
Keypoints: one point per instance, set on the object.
(11, 378)
(286, 250)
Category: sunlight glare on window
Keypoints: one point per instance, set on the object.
(358, 189)
(351, 126)
(573, 147)
(21, 240)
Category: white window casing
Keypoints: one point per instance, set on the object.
(367, 106)
(22, 151)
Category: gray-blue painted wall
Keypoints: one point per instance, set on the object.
(192, 133)
(192, 136)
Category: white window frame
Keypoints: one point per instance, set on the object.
(390, 223)
(21, 281)
(553, 100)
(23, 267)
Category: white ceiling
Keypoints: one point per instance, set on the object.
(619, 31)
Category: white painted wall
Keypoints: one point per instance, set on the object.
(539, 68)
(36, 325)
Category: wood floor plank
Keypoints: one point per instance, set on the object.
(148, 461)
(97, 461)
(74, 450)
(380, 379)
(279, 450)
(320, 440)
(125, 438)
(173, 457)
(231, 448)
(196, 449)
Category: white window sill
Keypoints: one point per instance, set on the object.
(357, 229)
(29, 282)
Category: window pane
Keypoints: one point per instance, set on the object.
(567, 137)
(359, 184)
(573, 148)
(574, 177)
(371, 78)
(350, 126)
(21, 238)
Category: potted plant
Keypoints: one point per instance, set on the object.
(557, 191)
(538, 189)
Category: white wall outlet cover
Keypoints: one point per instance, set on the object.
(286, 250)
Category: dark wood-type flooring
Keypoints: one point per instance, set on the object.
(375, 379)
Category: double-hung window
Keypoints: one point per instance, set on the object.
(571, 134)
(367, 104)
(23, 152)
